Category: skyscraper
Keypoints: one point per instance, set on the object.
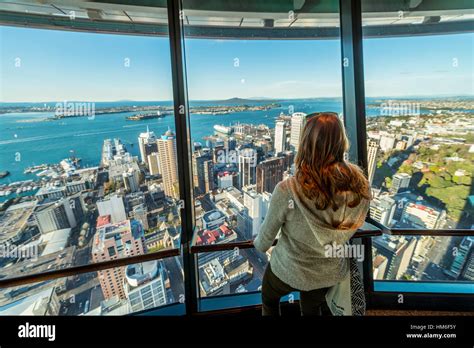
(168, 163)
(131, 180)
(254, 211)
(56, 216)
(147, 144)
(154, 163)
(382, 209)
(209, 175)
(280, 137)
(298, 121)
(269, 174)
(145, 285)
(113, 241)
(247, 166)
(372, 151)
(399, 181)
(202, 172)
(398, 250)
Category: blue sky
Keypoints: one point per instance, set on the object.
(61, 65)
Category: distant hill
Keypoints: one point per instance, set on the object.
(241, 101)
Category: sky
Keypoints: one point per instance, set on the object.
(40, 65)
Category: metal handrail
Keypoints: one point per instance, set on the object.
(92, 267)
(248, 244)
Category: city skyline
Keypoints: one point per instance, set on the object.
(245, 69)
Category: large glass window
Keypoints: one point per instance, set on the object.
(88, 155)
(445, 262)
(420, 131)
(114, 291)
(254, 73)
(420, 124)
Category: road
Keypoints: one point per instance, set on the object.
(176, 278)
(257, 260)
(433, 266)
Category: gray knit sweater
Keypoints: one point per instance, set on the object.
(299, 258)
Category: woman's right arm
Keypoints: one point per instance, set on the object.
(273, 220)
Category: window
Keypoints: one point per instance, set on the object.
(127, 291)
(252, 79)
(87, 149)
(439, 260)
(420, 132)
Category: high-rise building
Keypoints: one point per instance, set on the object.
(269, 174)
(468, 269)
(247, 166)
(209, 176)
(254, 210)
(298, 121)
(400, 181)
(387, 143)
(225, 180)
(57, 216)
(422, 216)
(289, 158)
(372, 152)
(131, 180)
(113, 241)
(398, 250)
(203, 172)
(230, 143)
(145, 285)
(280, 137)
(154, 163)
(382, 209)
(168, 163)
(462, 256)
(147, 144)
(114, 207)
(379, 265)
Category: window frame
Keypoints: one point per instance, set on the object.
(351, 37)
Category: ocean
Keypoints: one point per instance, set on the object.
(26, 140)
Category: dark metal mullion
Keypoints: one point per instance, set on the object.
(352, 65)
(183, 145)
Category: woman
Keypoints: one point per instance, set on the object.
(323, 204)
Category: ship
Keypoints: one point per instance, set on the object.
(223, 129)
(147, 116)
(4, 174)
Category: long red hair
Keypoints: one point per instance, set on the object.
(321, 169)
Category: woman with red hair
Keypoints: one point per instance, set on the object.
(323, 204)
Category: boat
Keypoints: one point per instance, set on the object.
(223, 129)
(4, 173)
(147, 116)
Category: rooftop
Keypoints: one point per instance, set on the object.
(14, 220)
